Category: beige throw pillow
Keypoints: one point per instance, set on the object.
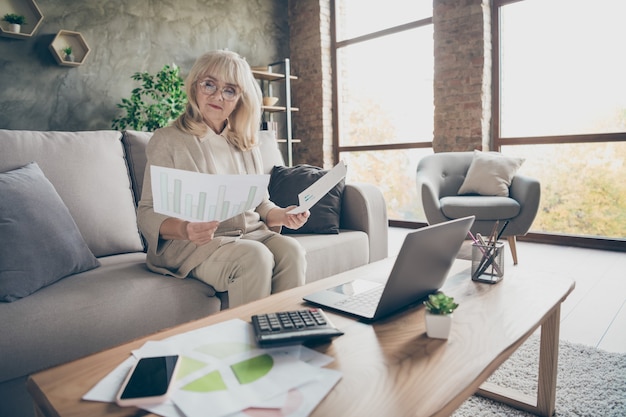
(490, 174)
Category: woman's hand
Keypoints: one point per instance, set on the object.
(279, 217)
(200, 233)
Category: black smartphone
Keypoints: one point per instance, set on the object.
(149, 381)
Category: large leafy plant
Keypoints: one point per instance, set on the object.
(159, 101)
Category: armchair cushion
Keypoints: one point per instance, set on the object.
(40, 242)
(490, 174)
(483, 207)
(287, 182)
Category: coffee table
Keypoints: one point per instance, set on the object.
(389, 367)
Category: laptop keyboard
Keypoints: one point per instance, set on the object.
(366, 301)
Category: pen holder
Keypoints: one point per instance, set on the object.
(488, 262)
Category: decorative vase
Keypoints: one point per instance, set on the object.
(15, 28)
(68, 58)
(438, 326)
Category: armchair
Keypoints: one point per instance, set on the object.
(439, 178)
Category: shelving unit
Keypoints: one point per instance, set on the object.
(66, 38)
(277, 77)
(26, 8)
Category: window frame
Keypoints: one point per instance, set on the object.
(335, 47)
(499, 141)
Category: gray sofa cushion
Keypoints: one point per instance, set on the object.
(95, 310)
(88, 170)
(40, 242)
(135, 145)
(269, 151)
(323, 257)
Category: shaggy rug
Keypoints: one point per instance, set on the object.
(590, 382)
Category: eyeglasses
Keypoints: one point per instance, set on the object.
(209, 87)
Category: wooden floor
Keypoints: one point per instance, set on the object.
(595, 312)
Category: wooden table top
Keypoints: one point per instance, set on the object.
(389, 367)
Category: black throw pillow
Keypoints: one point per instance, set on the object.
(287, 182)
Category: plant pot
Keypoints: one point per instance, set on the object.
(438, 326)
(68, 58)
(15, 28)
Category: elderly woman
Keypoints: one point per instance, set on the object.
(217, 134)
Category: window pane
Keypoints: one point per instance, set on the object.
(393, 172)
(583, 191)
(359, 17)
(386, 89)
(563, 66)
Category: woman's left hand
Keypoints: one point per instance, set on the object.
(279, 217)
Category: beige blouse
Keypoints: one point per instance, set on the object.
(212, 154)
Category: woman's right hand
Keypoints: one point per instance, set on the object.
(200, 233)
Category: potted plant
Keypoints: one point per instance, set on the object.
(439, 308)
(15, 21)
(68, 54)
(158, 102)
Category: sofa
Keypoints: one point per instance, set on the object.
(89, 232)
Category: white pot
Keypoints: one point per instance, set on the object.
(15, 28)
(438, 326)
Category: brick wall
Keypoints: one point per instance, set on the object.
(462, 95)
(462, 86)
(309, 27)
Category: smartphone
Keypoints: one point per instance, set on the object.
(149, 381)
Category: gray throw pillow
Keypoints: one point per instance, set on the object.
(490, 174)
(287, 182)
(40, 243)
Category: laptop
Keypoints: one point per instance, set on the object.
(420, 269)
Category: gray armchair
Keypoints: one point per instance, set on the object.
(439, 177)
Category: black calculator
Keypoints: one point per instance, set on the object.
(292, 327)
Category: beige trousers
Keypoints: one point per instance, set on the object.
(250, 270)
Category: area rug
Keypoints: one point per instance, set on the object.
(590, 382)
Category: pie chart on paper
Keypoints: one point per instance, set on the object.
(246, 371)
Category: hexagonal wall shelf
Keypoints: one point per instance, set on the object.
(75, 40)
(26, 8)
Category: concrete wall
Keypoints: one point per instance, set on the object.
(125, 37)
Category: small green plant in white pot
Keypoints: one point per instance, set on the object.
(15, 21)
(439, 308)
(68, 54)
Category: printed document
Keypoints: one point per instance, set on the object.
(199, 197)
(224, 373)
(309, 197)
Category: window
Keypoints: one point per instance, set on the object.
(563, 107)
(384, 90)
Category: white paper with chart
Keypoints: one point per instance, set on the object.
(196, 196)
(223, 373)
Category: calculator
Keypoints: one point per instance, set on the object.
(292, 327)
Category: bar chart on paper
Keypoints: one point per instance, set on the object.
(196, 196)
